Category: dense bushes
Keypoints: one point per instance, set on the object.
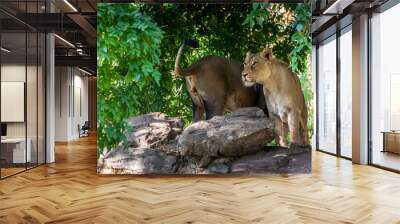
(128, 45)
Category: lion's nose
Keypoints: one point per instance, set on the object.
(244, 75)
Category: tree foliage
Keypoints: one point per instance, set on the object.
(128, 45)
(137, 45)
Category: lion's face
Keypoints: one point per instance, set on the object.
(256, 67)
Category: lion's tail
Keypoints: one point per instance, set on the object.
(178, 70)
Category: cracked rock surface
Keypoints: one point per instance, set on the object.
(234, 143)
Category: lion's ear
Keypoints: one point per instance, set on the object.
(267, 54)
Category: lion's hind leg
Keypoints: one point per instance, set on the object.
(197, 111)
(198, 106)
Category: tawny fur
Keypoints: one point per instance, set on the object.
(215, 86)
(282, 90)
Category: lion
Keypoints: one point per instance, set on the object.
(215, 85)
(282, 90)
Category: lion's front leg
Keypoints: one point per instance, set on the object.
(281, 130)
(304, 132)
(294, 128)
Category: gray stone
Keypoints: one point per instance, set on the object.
(241, 132)
(218, 168)
(275, 160)
(137, 161)
(189, 165)
(152, 130)
(170, 147)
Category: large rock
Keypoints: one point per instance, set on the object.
(239, 133)
(137, 161)
(152, 130)
(225, 144)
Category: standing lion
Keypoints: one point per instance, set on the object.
(283, 95)
(215, 85)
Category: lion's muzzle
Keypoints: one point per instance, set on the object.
(247, 80)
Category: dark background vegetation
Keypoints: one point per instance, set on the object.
(137, 45)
